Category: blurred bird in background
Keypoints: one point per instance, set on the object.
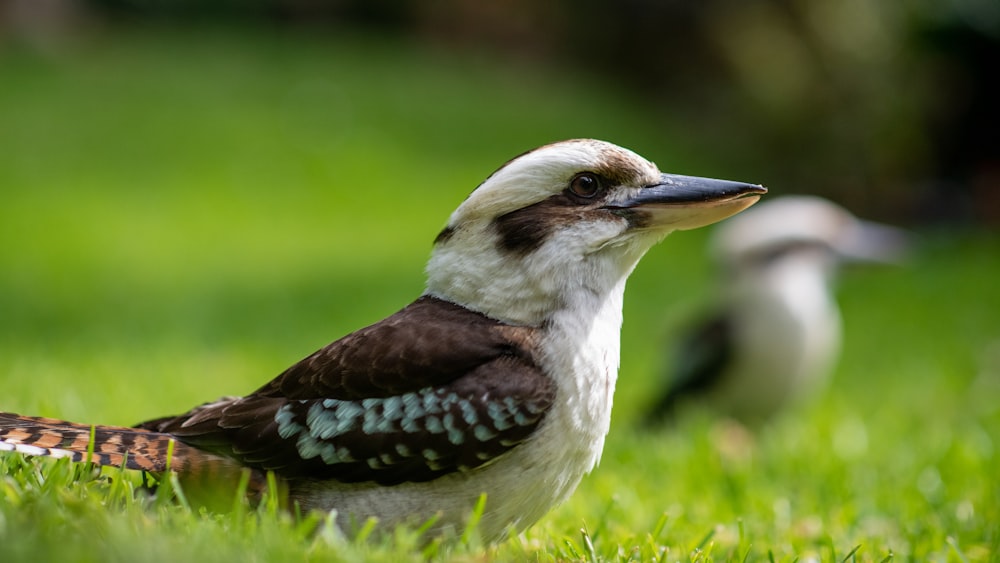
(777, 335)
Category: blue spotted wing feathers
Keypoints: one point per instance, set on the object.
(431, 390)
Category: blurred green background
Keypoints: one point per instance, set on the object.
(195, 195)
(222, 175)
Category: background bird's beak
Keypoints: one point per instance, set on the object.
(687, 202)
(867, 241)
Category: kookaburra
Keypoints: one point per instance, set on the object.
(776, 334)
(498, 380)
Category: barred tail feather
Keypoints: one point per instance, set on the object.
(117, 446)
(208, 479)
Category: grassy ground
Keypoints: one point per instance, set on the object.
(186, 213)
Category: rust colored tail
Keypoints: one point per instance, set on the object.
(208, 479)
(117, 446)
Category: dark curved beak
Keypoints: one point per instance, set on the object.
(677, 189)
(686, 202)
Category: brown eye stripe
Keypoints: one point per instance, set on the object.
(526, 229)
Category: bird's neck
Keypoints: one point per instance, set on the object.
(802, 287)
(581, 350)
(530, 290)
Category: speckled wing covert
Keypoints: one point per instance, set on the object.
(430, 390)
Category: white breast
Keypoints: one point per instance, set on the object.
(786, 337)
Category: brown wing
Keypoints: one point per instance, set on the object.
(428, 343)
(430, 390)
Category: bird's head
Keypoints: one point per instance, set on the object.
(565, 221)
(806, 232)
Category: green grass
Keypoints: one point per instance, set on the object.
(185, 213)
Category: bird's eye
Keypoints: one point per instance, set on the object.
(585, 185)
